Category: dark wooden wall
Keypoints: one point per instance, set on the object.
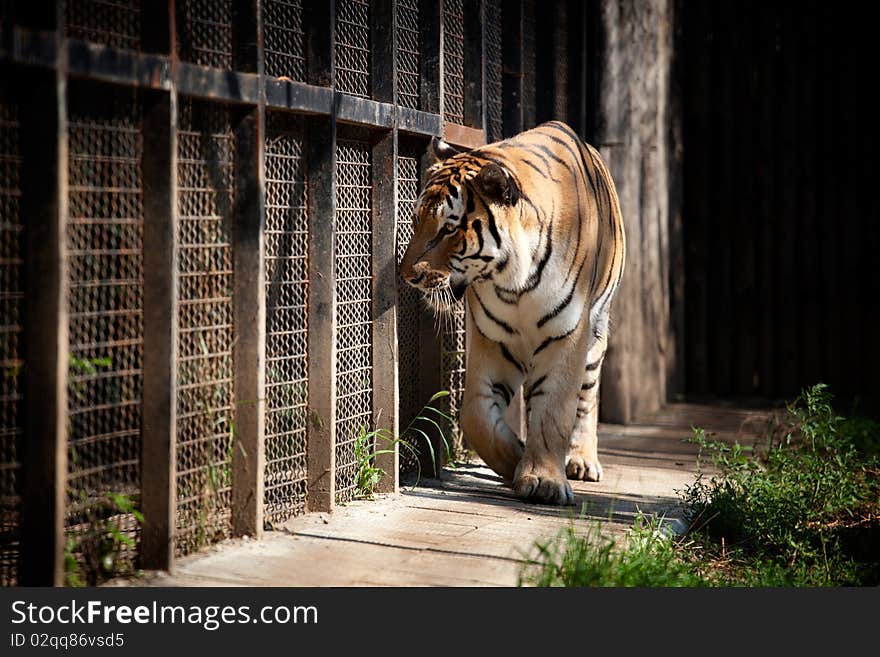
(781, 204)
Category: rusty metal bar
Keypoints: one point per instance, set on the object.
(322, 315)
(319, 18)
(159, 444)
(474, 65)
(384, 50)
(463, 136)
(249, 360)
(384, 314)
(512, 67)
(45, 327)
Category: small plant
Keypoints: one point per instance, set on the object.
(646, 556)
(792, 506)
(94, 555)
(367, 447)
(803, 509)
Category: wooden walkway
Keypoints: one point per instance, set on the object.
(467, 528)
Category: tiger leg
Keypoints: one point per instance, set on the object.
(490, 383)
(583, 455)
(551, 394)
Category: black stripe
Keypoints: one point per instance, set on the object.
(586, 170)
(502, 264)
(551, 154)
(535, 278)
(504, 325)
(509, 357)
(587, 386)
(537, 170)
(493, 228)
(506, 296)
(562, 305)
(477, 227)
(552, 338)
(502, 390)
(595, 366)
(534, 389)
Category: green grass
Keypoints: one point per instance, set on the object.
(370, 444)
(801, 509)
(644, 557)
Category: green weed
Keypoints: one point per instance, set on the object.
(801, 509)
(95, 554)
(370, 444)
(645, 556)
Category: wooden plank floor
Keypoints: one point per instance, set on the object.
(467, 528)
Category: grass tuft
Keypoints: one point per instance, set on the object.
(802, 509)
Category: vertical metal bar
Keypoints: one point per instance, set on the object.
(249, 362)
(384, 311)
(156, 19)
(322, 314)
(247, 37)
(430, 374)
(159, 444)
(474, 65)
(545, 60)
(512, 67)
(44, 318)
(384, 50)
(429, 39)
(385, 358)
(319, 19)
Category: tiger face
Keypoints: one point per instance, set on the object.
(460, 226)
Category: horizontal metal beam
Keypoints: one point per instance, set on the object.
(459, 135)
(418, 123)
(297, 96)
(352, 109)
(151, 71)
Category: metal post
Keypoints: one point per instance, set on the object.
(385, 392)
(474, 65)
(44, 323)
(512, 67)
(159, 444)
(250, 327)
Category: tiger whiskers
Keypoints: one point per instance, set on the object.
(444, 304)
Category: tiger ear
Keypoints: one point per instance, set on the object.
(441, 150)
(498, 185)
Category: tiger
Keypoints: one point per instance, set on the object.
(529, 231)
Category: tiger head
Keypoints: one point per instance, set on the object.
(460, 225)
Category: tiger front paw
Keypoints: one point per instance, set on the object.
(582, 467)
(542, 485)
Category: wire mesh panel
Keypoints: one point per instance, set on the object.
(453, 61)
(115, 23)
(408, 300)
(205, 412)
(105, 310)
(528, 55)
(204, 32)
(10, 329)
(408, 53)
(354, 398)
(353, 47)
(452, 371)
(287, 283)
(284, 39)
(494, 115)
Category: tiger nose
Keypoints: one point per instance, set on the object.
(417, 273)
